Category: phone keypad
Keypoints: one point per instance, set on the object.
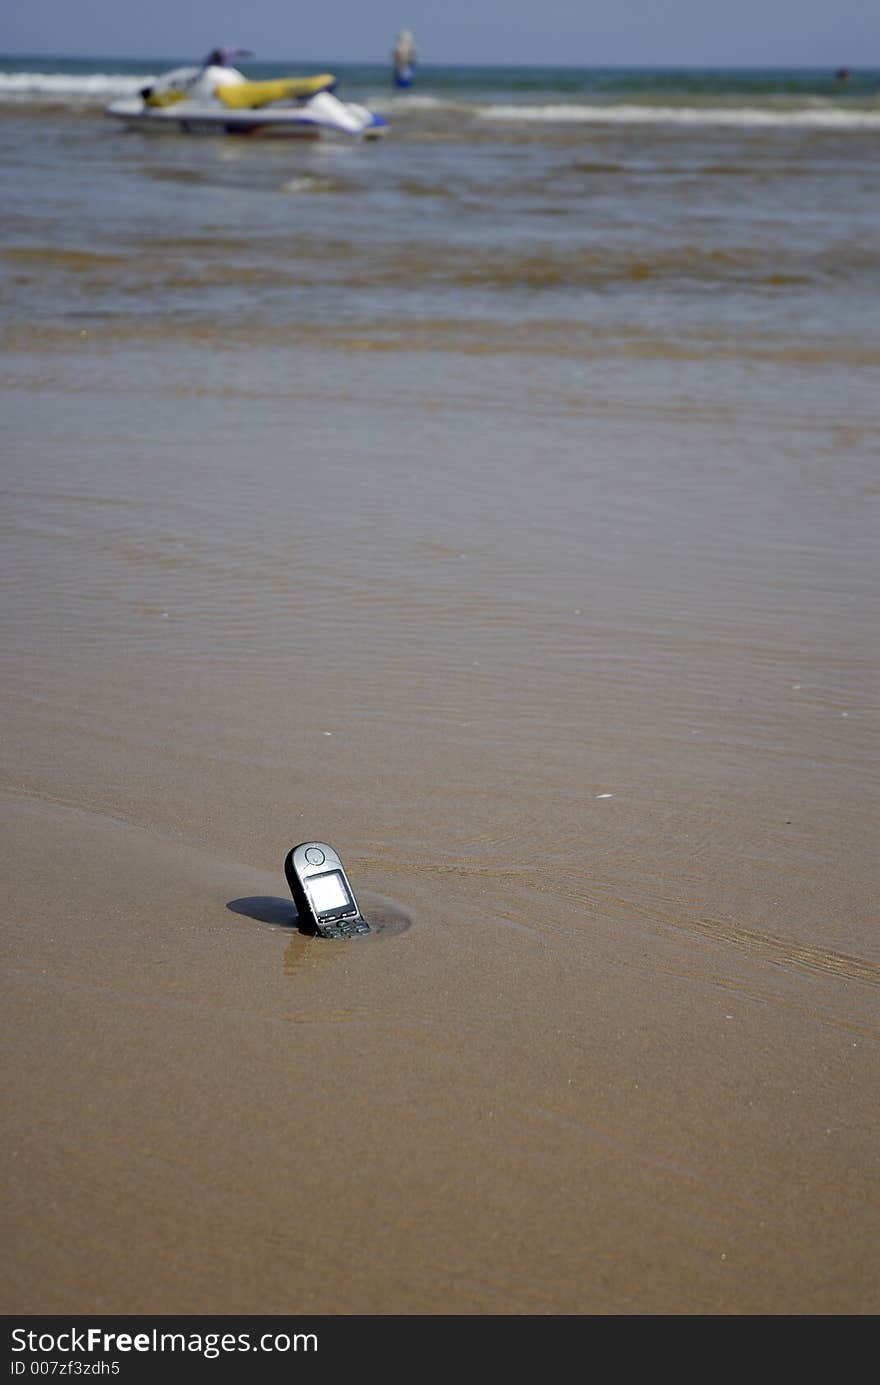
(343, 928)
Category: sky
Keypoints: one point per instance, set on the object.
(580, 33)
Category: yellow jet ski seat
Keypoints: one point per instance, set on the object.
(250, 95)
(168, 97)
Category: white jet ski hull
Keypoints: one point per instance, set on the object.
(322, 115)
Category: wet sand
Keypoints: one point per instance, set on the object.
(578, 678)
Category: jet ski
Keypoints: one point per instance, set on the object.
(216, 98)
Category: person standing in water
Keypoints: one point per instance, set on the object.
(403, 58)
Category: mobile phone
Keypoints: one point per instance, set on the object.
(321, 891)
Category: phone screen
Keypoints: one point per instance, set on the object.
(328, 892)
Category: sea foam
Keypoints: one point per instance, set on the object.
(65, 87)
(826, 117)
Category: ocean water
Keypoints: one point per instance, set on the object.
(572, 207)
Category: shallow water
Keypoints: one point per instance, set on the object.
(742, 206)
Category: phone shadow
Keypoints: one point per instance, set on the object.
(266, 908)
(385, 917)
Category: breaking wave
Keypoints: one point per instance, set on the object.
(66, 88)
(826, 117)
(86, 89)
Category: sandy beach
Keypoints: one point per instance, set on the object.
(562, 630)
(612, 1048)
